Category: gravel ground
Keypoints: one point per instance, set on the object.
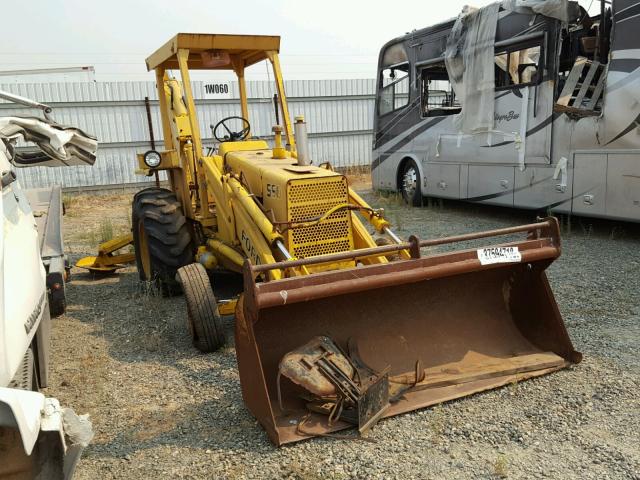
(162, 410)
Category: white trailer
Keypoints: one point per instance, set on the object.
(38, 438)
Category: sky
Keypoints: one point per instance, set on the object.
(320, 39)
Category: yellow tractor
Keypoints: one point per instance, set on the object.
(340, 322)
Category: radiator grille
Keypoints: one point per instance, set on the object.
(312, 198)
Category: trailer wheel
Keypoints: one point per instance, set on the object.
(57, 302)
(161, 237)
(409, 183)
(203, 318)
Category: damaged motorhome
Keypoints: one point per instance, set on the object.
(523, 104)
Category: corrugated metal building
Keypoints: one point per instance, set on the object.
(339, 114)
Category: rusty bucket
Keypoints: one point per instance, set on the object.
(446, 325)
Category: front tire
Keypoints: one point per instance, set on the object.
(204, 321)
(161, 237)
(410, 184)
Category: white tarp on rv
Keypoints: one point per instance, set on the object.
(470, 57)
(549, 8)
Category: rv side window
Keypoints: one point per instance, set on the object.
(437, 95)
(394, 88)
(517, 66)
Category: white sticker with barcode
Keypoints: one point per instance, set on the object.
(488, 256)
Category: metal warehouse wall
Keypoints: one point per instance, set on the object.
(339, 114)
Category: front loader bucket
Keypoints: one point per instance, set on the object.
(446, 325)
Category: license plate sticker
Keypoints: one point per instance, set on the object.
(489, 256)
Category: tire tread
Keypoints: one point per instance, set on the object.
(202, 309)
(168, 236)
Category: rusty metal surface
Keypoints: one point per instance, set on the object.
(301, 366)
(313, 287)
(338, 389)
(445, 324)
(548, 228)
(373, 403)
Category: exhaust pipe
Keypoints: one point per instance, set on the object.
(302, 141)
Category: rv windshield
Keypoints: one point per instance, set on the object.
(394, 84)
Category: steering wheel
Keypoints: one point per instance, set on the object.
(232, 136)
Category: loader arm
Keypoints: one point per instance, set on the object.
(377, 221)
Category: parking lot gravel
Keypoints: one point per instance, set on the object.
(161, 409)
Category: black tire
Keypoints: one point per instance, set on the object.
(56, 293)
(409, 184)
(161, 237)
(203, 318)
(57, 303)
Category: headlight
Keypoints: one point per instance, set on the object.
(152, 159)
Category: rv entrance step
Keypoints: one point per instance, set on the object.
(582, 89)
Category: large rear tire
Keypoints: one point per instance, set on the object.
(203, 318)
(161, 237)
(409, 184)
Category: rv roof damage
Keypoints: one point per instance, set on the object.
(471, 60)
(524, 104)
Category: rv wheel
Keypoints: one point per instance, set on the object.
(410, 184)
